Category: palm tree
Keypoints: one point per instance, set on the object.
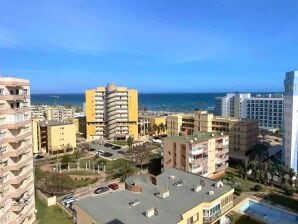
(150, 130)
(130, 141)
(76, 154)
(259, 152)
(125, 171)
(155, 128)
(241, 170)
(253, 167)
(162, 127)
(291, 174)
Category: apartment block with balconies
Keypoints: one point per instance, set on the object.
(111, 112)
(202, 153)
(16, 163)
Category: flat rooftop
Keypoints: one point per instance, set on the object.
(54, 123)
(197, 137)
(115, 207)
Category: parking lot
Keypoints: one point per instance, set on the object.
(108, 152)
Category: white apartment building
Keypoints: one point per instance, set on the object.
(290, 141)
(17, 204)
(267, 109)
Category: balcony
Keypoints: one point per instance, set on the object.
(216, 216)
(21, 177)
(222, 151)
(16, 124)
(14, 111)
(19, 97)
(222, 159)
(20, 164)
(17, 139)
(222, 167)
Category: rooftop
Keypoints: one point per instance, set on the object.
(197, 137)
(129, 207)
(54, 123)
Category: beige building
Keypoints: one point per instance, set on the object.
(17, 204)
(53, 136)
(59, 113)
(173, 197)
(202, 153)
(243, 132)
(111, 112)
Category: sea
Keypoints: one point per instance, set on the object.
(171, 102)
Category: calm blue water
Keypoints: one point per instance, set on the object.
(157, 102)
(268, 214)
(175, 102)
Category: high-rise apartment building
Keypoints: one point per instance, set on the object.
(111, 112)
(290, 141)
(17, 203)
(243, 132)
(267, 109)
(202, 153)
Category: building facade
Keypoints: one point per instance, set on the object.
(17, 203)
(173, 197)
(267, 109)
(243, 132)
(290, 141)
(53, 136)
(202, 153)
(111, 112)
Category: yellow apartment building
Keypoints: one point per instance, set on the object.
(53, 136)
(111, 112)
(175, 196)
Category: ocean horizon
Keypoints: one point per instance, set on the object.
(172, 102)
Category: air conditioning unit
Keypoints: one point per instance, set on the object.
(197, 188)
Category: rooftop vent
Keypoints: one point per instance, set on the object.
(163, 194)
(179, 183)
(202, 182)
(221, 133)
(197, 188)
(172, 177)
(195, 139)
(134, 203)
(211, 192)
(212, 134)
(218, 184)
(191, 141)
(151, 212)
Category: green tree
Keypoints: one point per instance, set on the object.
(125, 171)
(155, 128)
(162, 127)
(130, 142)
(65, 159)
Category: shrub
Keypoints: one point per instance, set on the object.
(257, 187)
(238, 191)
(289, 191)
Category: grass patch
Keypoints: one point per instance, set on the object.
(50, 215)
(287, 202)
(111, 166)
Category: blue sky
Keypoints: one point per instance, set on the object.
(152, 45)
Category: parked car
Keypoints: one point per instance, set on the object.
(120, 152)
(39, 156)
(114, 186)
(107, 145)
(69, 196)
(101, 190)
(107, 154)
(68, 203)
(115, 147)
